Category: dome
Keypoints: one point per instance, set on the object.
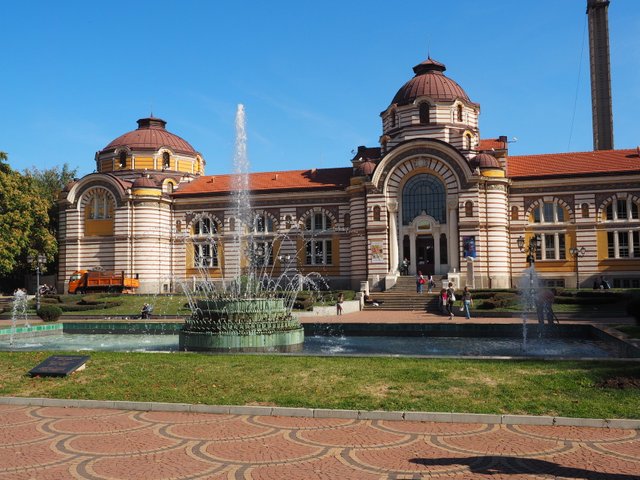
(150, 135)
(429, 81)
(367, 167)
(144, 182)
(485, 160)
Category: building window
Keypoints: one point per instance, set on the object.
(99, 206)
(426, 193)
(376, 213)
(468, 209)
(178, 226)
(585, 210)
(287, 222)
(166, 160)
(122, 161)
(467, 142)
(205, 255)
(552, 246)
(549, 212)
(444, 257)
(459, 113)
(318, 252)
(205, 226)
(347, 220)
(424, 112)
(623, 244)
(318, 222)
(393, 119)
(621, 209)
(514, 213)
(263, 253)
(263, 224)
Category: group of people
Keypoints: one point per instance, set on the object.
(448, 299)
(421, 281)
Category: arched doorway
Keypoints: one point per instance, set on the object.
(424, 218)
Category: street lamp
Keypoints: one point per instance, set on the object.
(577, 253)
(530, 248)
(40, 259)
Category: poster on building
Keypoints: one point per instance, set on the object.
(377, 249)
(469, 247)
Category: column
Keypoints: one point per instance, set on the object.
(437, 266)
(392, 207)
(453, 238)
(412, 252)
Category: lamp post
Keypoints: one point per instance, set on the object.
(39, 259)
(577, 253)
(530, 248)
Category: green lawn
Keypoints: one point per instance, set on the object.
(564, 388)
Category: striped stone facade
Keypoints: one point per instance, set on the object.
(432, 192)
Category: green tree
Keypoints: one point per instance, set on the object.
(50, 183)
(24, 221)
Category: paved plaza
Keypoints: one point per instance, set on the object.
(58, 442)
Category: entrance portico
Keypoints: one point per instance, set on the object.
(425, 244)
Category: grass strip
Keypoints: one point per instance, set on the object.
(559, 388)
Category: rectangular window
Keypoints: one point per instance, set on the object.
(622, 209)
(539, 250)
(318, 252)
(560, 212)
(205, 256)
(623, 244)
(548, 212)
(611, 248)
(263, 254)
(634, 210)
(549, 247)
(635, 236)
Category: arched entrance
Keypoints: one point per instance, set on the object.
(424, 244)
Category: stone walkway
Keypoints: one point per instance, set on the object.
(56, 442)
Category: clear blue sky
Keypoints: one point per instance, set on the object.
(313, 76)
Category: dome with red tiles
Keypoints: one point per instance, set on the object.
(151, 135)
(431, 82)
(144, 182)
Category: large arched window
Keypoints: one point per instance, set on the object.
(426, 193)
(620, 215)
(99, 205)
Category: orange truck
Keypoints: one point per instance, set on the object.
(86, 281)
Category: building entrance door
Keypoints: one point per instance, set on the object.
(425, 254)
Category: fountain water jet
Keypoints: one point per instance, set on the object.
(252, 311)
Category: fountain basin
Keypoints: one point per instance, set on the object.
(241, 325)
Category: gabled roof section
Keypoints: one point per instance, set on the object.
(600, 162)
(265, 182)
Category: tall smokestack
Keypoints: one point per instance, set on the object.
(602, 112)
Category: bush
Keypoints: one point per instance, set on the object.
(486, 305)
(49, 313)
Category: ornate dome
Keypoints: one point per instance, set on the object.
(429, 81)
(144, 182)
(150, 135)
(485, 160)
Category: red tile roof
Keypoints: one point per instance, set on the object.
(487, 144)
(571, 164)
(263, 182)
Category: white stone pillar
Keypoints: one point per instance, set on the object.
(453, 238)
(392, 207)
(437, 266)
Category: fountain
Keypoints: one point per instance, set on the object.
(251, 312)
(528, 286)
(19, 311)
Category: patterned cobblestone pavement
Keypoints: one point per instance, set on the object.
(40, 442)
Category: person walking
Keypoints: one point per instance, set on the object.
(430, 283)
(467, 301)
(339, 303)
(419, 282)
(451, 298)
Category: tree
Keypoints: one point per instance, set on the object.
(50, 183)
(24, 221)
